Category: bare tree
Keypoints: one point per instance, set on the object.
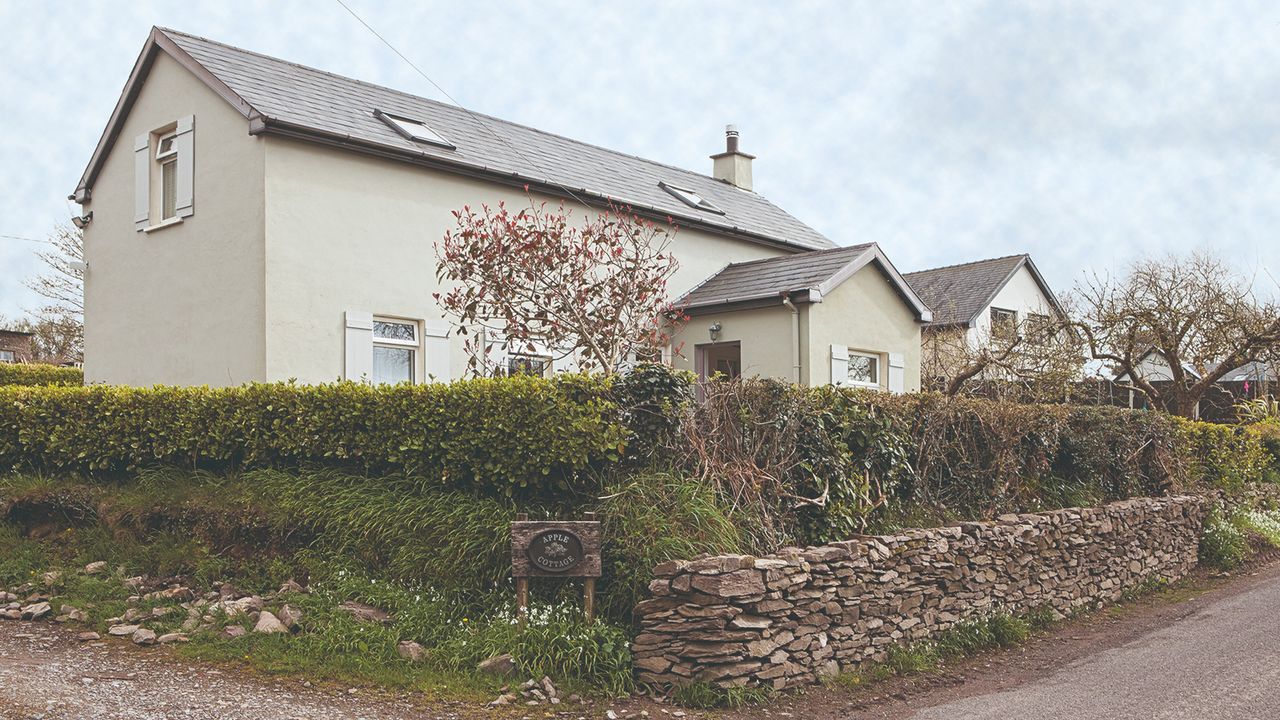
(1038, 359)
(59, 323)
(1193, 312)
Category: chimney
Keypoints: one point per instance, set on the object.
(732, 166)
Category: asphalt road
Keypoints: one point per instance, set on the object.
(1220, 663)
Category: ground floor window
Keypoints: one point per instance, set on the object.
(864, 369)
(535, 365)
(395, 351)
(7, 356)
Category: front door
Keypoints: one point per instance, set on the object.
(722, 360)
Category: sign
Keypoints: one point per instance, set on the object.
(548, 548)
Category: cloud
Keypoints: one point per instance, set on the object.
(1085, 133)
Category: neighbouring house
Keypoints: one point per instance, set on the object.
(843, 316)
(251, 219)
(981, 303)
(1249, 381)
(15, 346)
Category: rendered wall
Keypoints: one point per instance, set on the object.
(791, 618)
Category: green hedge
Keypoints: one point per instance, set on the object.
(510, 435)
(39, 374)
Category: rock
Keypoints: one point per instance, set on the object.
(11, 614)
(134, 583)
(291, 586)
(170, 638)
(96, 568)
(36, 611)
(234, 631)
(504, 699)
(269, 623)
(290, 616)
(122, 630)
(143, 636)
(411, 651)
(89, 636)
(159, 612)
(365, 613)
(547, 687)
(575, 698)
(132, 614)
(50, 577)
(74, 614)
(501, 665)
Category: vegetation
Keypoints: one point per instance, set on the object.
(39, 374)
(1229, 538)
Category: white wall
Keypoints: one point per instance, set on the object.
(1021, 294)
(183, 304)
(349, 231)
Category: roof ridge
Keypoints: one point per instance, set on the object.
(486, 116)
(971, 262)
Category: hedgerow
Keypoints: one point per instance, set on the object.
(508, 436)
(39, 374)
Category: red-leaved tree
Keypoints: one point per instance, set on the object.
(594, 289)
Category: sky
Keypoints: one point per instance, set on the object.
(1087, 134)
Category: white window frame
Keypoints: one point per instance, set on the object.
(692, 198)
(996, 327)
(876, 368)
(517, 356)
(168, 161)
(414, 345)
(8, 356)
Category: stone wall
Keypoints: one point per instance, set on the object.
(790, 618)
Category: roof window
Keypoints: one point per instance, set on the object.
(690, 198)
(415, 130)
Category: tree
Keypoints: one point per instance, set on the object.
(1196, 314)
(59, 324)
(1038, 360)
(594, 289)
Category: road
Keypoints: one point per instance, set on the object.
(1220, 663)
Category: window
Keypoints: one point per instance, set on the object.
(7, 356)
(864, 369)
(1037, 327)
(690, 198)
(395, 351)
(535, 365)
(167, 156)
(415, 130)
(1004, 323)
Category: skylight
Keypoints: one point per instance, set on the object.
(415, 130)
(690, 198)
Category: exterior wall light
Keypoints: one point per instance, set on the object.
(715, 332)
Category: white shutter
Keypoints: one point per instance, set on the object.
(496, 358)
(184, 144)
(839, 364)
(142, 181)
(435, 343)
(358, 346)
(897, 372)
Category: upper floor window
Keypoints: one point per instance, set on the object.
(167, 156)
(535, 365)
(1004, 323)
(690, 198)
(164, 175)
(395, 351)
(415, 130)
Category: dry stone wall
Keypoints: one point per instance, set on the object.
(790, 618)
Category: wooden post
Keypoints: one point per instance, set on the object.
(522, 588)
(589, 586)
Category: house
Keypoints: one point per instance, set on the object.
(842, 316)
(15, 346)
(251, 219)
(1249, 381)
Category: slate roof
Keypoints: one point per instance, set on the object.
(957, 294)
(1253, 372)
(807, 276)
(286, 97)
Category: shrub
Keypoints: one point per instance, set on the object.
(508, 436)
(1222, 456)
(1268, 433)
(39, 374)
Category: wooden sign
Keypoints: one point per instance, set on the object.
(550, 548)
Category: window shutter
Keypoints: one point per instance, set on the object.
(839, 364)
(435, 336)
(897, 372)
(142, 181)
(184, 144)
(358, 345)
(496, 358)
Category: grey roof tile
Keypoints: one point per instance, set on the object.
(957, 293)
(771, 277)
(326, 102)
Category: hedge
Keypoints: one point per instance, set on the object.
(39, 374)
(511, 435)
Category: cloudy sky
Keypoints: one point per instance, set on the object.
(1087, 134)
